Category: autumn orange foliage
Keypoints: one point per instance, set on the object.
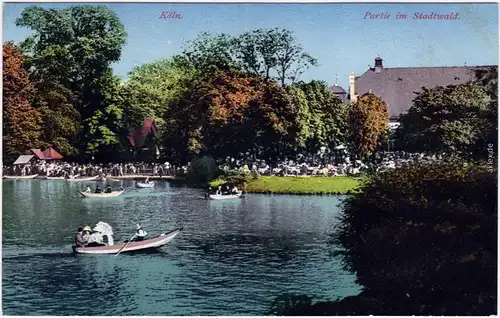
(368, 120)
(21, 122)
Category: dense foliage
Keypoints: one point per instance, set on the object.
(368, 120)
(228, 112)
(446, 119)
(428, 231)
(268, 53)
(72, 49)
(21, 122)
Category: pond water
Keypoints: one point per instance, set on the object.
(233, 257)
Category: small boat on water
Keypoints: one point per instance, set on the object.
(148, 184)
(73, 179)
(33, 176)
(152, 243)
(55, 178)
(102, 194)
(225, 196)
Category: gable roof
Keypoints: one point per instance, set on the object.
(48, 154)
(138, 137)
(23, 159)
(396, 86)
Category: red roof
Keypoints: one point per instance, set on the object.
(47, 154)
(138, 137)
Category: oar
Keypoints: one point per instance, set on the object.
(125, 245)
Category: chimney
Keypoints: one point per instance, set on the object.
(378, 65)
(352, 88)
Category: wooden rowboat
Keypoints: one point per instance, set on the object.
(152, 243)
(82, 179)
(225, 196)
(33, 176)
(102, 194)
(149, 184)
(55, 178)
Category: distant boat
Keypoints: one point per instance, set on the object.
(102, 194)
(55, 178)
(225, 196)
(21, 177)
(82, 179)
(149, 184)
(149, 244)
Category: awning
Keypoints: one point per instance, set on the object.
(23, 159)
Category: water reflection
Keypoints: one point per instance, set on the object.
(233, 257)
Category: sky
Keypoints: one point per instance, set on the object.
(341, 36)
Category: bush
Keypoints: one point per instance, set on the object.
(428, 233)
(201, 171)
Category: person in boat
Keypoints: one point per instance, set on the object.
(207, 193)
(79, 239)
(219, 191)
(121, 188)
(234, 190)
(140, 233)
(88, 190)
(98, 190)
(108, 190)
(86, 234)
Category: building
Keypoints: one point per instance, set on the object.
(397, 85)
(37, 154)
(144, 141)
(339, 92)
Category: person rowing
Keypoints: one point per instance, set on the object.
(98, 190)
(140, 233)
(108, 190)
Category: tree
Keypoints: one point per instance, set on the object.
(105, 124)
(228, 112)
(269, 53)
(150, 88)
(368, 121)
(21, 122)
(74, 46)
(61, 121)
(445, 119)
(322, 116)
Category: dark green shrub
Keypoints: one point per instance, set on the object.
(201, 171)
(427, 232)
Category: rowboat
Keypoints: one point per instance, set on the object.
(149, 184)
(82, 179)
(149, 244)
(33, 176)
(55, 178)
(101, 195)
(225, 196)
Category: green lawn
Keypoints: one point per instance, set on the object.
(301, 185)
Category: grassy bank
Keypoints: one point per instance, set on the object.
(300, 185)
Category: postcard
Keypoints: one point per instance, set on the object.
(229, 159)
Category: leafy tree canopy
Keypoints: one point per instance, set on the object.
(21, 122)
(269, 53)
(445, 119)
(368, 120)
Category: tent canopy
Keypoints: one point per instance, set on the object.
(23, 159)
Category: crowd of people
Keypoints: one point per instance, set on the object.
(312, 166)
(67, 170)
